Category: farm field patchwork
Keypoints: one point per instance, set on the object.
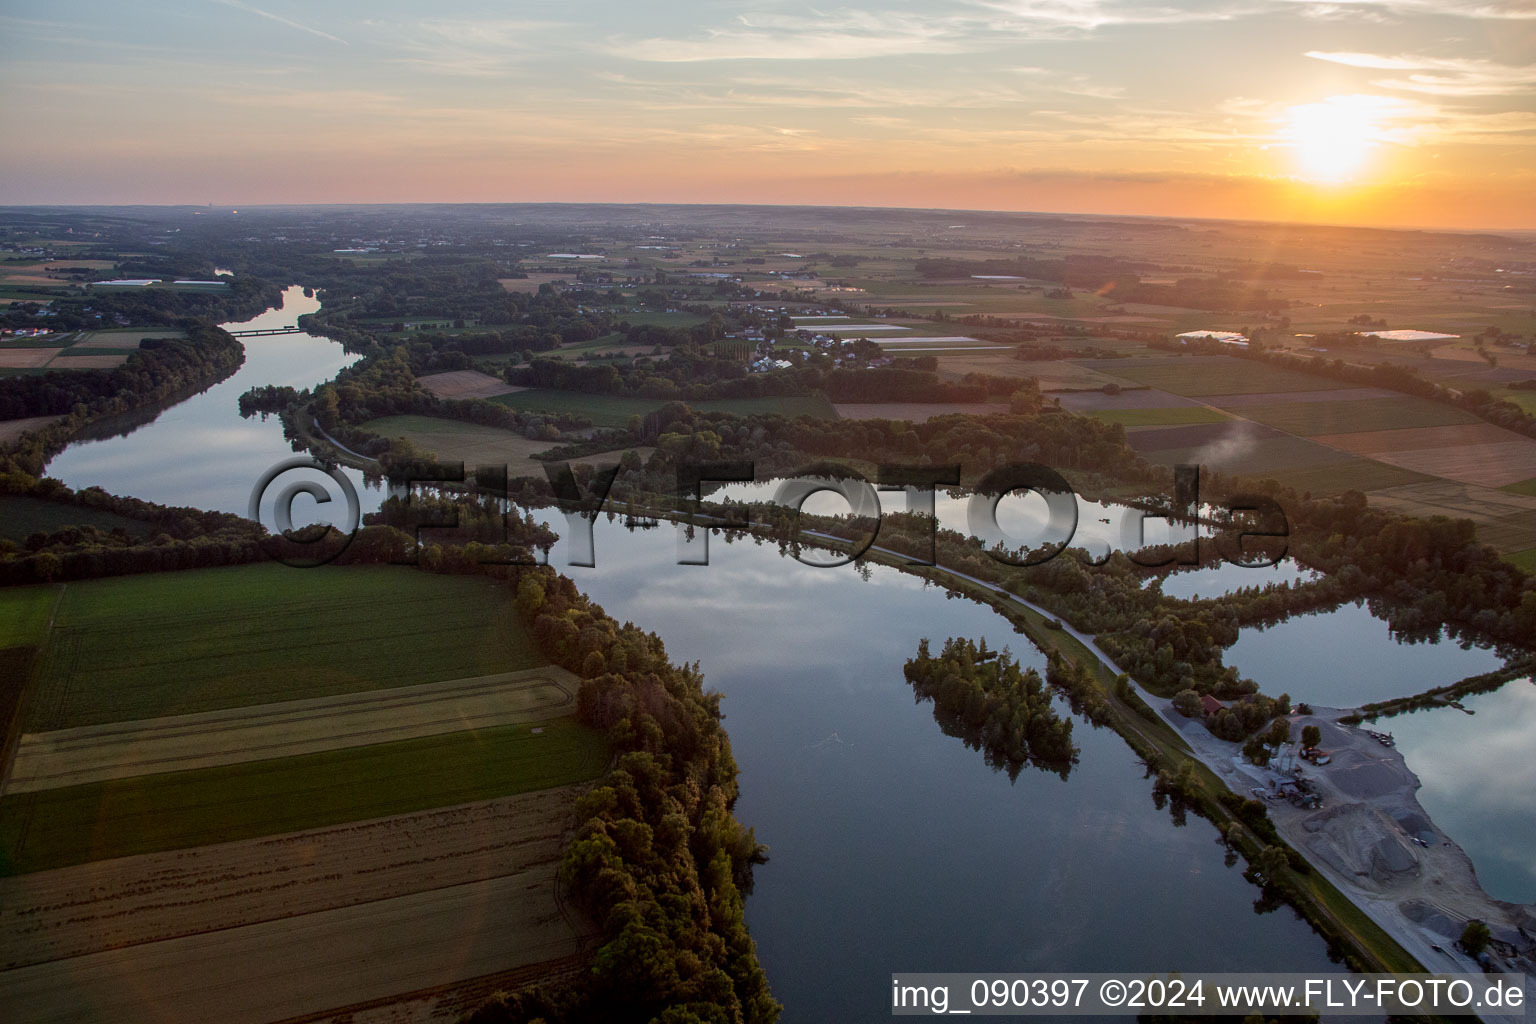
(1311, 419)
(1159, 417)
(1504, 519)
(615, 410)
(1478, 453)
(334, 964)
(1138, 398)
(915, 412)
(1353, 474)
(1193, 376)
(145, 814)
(70, 912)
(1240, 402)
(120, 750)
(175, 643)
(1232, 438)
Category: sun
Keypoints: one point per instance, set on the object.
(1333, 139)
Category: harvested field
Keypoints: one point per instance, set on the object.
(1479, 454)
(1370, 442)
(1211, 375)
(26, 358)
(1312, 419)
(530, 284)
(51, 915)
(466, 384)
(100, 753)
(10, 430)
(300, 966)
(161, 644)
(469, 443)
(1352, 474)
(55, 828)
(1141, 398)
(87, 362)
(1272, 397)
(1160, 417)
(914, 412)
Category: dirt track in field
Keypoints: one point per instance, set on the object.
(96, 753)
(466, 384)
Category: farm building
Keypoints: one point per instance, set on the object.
(1210, 705)
(1410, 335)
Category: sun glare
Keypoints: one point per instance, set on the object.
(1332, 139)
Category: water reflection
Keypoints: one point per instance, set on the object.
(1479, 781)
(894, 846)
(199, 451)
(1348, 657)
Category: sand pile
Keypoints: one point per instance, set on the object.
(1362, 842)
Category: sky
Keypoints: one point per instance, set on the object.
(1390, 112)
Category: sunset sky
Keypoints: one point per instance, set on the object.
(1403, 112)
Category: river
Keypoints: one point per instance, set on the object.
(200, 452)
(893, 846)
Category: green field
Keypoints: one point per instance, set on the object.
(1311, 419)
(1264, 457)
(171, 811)
(24, 614)
(1336, 478)
(174, 643)
(1526, 560)
(1215, 375)
(1159, 417)
(615, 410)
(1523, 487)
(22, 516)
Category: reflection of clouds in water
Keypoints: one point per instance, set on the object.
(1347, 656)
(1022, 517)
(1479, 781)
(1215, 581)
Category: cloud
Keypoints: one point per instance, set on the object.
(972, 26)
(237, 5)
(1439, 76)
(1480, 9)
(485, 48)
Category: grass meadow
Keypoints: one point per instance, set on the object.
(136, 647)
